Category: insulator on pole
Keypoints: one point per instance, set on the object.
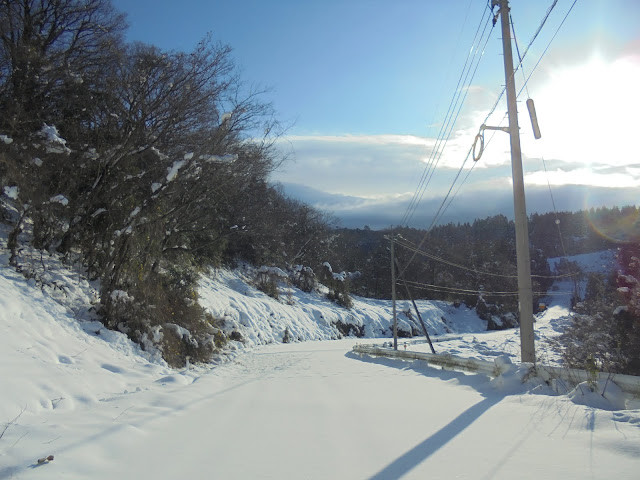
(534, 118)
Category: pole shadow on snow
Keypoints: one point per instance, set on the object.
(418, 454)
(477, 381)
(411, 459)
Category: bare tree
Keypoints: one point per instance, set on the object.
(48, 45)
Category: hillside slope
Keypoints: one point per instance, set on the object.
(102, 407)
(310, 316)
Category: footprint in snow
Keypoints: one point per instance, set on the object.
(111, 368)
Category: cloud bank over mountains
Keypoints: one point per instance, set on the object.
(588, 118)
(379, 213)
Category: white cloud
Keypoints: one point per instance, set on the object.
(587, 112)
(493, 198)
(362, 139)
(583, 176)
(364, 165)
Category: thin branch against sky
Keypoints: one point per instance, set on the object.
(361, 70)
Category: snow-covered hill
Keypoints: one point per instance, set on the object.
(310, 316)
(102, 407)
(51, 336)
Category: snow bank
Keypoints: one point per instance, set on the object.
(601, 394)
(51, 360)
(89, 397)
(260, 319)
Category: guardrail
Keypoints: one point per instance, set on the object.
(627, 383)
(442, 360)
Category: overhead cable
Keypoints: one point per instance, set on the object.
(445, 289)
(422, 186)
(449, 122)
(479, 272)
(547, 47)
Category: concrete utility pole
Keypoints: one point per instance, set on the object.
(393, 295)
(525, 294)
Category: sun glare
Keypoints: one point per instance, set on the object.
(588, 113)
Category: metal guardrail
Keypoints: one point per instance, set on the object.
(627, 383)
(442, 360)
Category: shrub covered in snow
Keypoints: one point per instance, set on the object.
(267, 280)
(303, 278)
(605, 332)
(338, 285)
(143, 167)
(163, 314)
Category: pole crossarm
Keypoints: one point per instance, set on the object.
(487, 127)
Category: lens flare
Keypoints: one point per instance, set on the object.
(616, 225)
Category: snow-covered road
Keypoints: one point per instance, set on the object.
(315, 411)
(309, 410)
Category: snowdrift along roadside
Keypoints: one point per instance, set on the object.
(55, 354)
(260, 319)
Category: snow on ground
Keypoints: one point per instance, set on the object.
(104, 409)
(310, 316)
(547, 324)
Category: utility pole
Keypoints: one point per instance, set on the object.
(393, 295)
(525, 294)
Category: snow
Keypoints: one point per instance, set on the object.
(120, 296)
(54, 142)
(547, 325)
(61, 199)
(173, 170)
(105, 409)
(597, 262)
(11, 192)
(6, 139)
(601, 394)
(309, 316)
(228, 158)
(275, 271)
(339, 276)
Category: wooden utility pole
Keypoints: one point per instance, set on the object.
(525, 293)
(393, 295)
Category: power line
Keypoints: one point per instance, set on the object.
(418, 196)
(445, 289)
(535, 35)
(526, 80)
(521, 59)
(515, 40)
(473, 270)
(444, 124)
(547, 47)
(520, 63)
(442, 204)
(449, 122)
(439, 152)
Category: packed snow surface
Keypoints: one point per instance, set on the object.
(104, 409)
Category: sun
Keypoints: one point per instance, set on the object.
(588, 113)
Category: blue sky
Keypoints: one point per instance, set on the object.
(365, 86)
